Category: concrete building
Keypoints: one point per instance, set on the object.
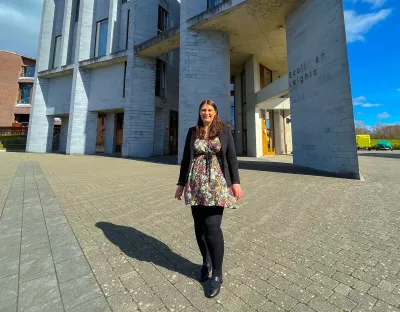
(278, 71)
(16, 81)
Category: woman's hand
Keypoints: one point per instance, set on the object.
(237, 191)
(179, 192)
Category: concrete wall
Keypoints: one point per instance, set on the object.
(319, 81)
(106, 90)
(59, 95)
(123, 20)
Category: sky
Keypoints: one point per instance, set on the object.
(373, 38)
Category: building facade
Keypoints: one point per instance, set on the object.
(278, 71)
(17, 73)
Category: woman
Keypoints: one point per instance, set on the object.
(209, 179)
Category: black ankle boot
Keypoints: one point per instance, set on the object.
(215, 286)
(204, 273)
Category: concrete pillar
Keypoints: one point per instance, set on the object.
(45, 37)
(41, 126)
(65, 39)
(320, 92)
(254, 136)
(113, 27)
(278, 128)
(140, 81)
(238, 115)
(63, 134)
(159, 129)
(82, 127)
(85, 31)
(110, 134)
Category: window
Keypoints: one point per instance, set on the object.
(162, 19)
(232, 102)
(28, 71)
(78, 2)
(213, 3)
(127, 29)
(160, 78)
(124, 85)
(124, 1)
(101, 38)
(24, 93)
(56, 55)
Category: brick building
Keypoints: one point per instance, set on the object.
(278, 71)
(17, 73)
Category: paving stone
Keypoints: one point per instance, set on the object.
(36, 268)
(9, 267)
(301, 307)
(362, 286)
(122, 302)
(385, 285)
(36, 252)
(79, 290)
(95, 305)
(66, 252)
(342, 302)
(384, 296)
(9, 305)
(320, 304)
(72, 268)
(298, 293)
(362, 298)
(381, 306)
(283, 300)
(38, 291)
(8, 288)
(54, 305)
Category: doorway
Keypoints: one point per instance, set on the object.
(267, 128)
(119, 131)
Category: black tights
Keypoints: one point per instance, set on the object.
(207, 226)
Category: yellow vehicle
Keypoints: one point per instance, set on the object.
(363, 141)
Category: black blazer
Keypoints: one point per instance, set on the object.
(228, 156)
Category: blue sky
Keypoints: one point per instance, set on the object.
(373, 35)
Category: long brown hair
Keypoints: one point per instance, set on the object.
(215, 127)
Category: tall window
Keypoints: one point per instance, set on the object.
(124, 85)
(56, 54)
(78, 2)
(28, 71)
(101, 38)
(232, 103)
(244, 110)
(127, 29)
(24, 93)
(213, 3)
(161, 78)
(162, 19)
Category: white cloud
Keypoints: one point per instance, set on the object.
(362, 101)
(383, 115)
(358, 25)
(374, 3)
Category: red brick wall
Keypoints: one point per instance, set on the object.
(10, 70)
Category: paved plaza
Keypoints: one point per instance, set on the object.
(92, 233)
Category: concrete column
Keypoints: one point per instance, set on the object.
(238, 115)
(113, 27)
(110, 134)
(254, 136)
(85, 31)
(140, 81)
(63, 134)
(46, 31)
(65, 39)
(320, 92)
(159, 129)
(41, 126)
(82, 127)
(278, 128)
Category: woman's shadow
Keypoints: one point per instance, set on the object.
(140, 246)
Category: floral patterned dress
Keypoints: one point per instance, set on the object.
(206, 184)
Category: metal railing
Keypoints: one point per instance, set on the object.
(10, 131)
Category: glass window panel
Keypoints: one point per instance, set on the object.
(30, 71)
(25, 93)
(101, 38)
(56, 56)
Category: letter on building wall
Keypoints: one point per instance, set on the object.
(320, 92)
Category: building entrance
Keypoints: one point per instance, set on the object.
(267, 128)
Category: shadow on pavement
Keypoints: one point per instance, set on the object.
(387, 154)
(140, 246)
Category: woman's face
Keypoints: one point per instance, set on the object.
(207, 114)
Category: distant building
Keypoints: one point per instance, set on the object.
(17, 73)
